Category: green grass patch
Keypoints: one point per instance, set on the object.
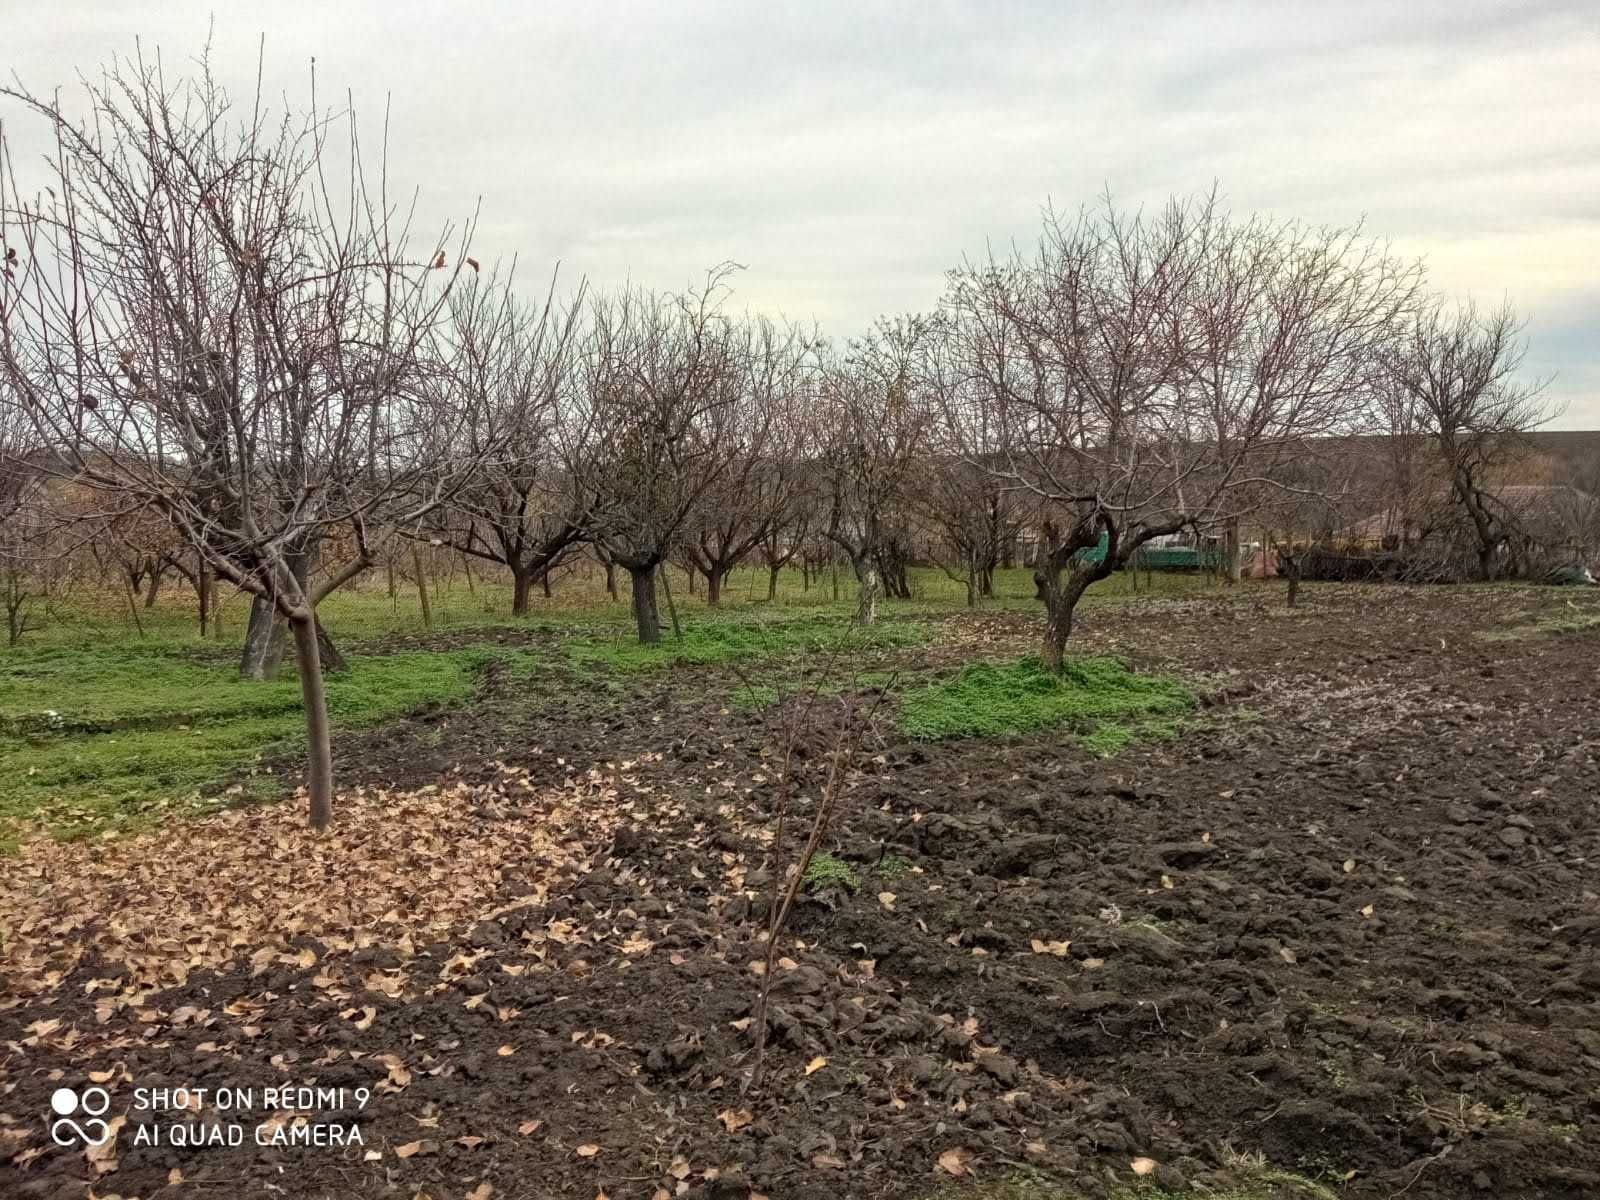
(714, 642)
(1101, 699)
(893, 866)
(1573, 619)
(1110, 738)
(828, 871)
(137, 732)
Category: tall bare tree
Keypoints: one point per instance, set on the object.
(975, 514)
(755, 497)
(876, 413)
(509, 368)
(210, 325)
(1281, 328)
(1459, 368)
(651, 426)
(1152, 372)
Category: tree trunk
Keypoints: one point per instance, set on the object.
(319, 746)
(333, 662)
(645, 614)
(1058, 628)
(422, 587)
(1060, 602)
(264, 639)
(521, 584)
(150, 592)
(672, 609)
(544, 582)
(805, 576)
(202, 589)
(133, 608)
(466, 569)
(972, 591)
(16, 598)
(714, 579)
(393, 590)
(772, 584)
(1230, 544)
(871, 585)
(611, 579)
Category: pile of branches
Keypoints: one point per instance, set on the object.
(1357, 564)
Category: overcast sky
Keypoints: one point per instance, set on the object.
(849, 153)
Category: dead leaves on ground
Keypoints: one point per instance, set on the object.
(957, 1162)
(735, 1119)
(251, 888)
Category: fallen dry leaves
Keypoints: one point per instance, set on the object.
(103, 1158)
(241, 888)
(957, 1162)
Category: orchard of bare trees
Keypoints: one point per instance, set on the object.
(230, 358)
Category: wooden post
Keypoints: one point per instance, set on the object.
(422, 586)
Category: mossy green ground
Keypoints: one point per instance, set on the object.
(1567, 614)
(829, 871)
(105, 723)
(363, 612)
(707, 643)
(1101, 699)
(113, 735)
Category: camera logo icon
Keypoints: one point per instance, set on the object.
(66, 1104)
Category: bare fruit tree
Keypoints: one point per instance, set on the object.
(24, 523)
(754, 500)
(651, 424)
(1459, 368)
(509, 370)
(1151, 373)
(876, 415)
(963, 498)
(210, 313)
(1075, 355)
(1281, 328)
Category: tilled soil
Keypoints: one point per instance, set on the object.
(1348, 924)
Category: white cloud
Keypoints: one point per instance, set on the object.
(850, 153)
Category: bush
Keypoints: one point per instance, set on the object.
(996, 700)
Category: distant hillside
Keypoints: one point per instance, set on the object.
(1574, 449)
